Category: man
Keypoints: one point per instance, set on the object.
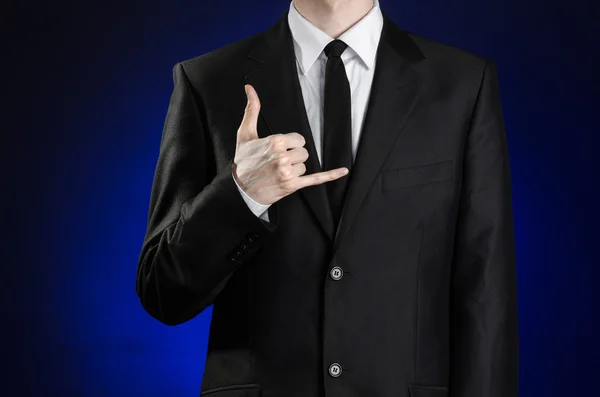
(394, 279)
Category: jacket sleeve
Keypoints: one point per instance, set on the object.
(200, 230)
(484, 335)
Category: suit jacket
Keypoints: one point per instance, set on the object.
(426, 305)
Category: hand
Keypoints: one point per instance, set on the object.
(270, 168)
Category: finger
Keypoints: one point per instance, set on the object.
(299, 169)
(294, 140)
(321, 177)
(248, 129)
(297, 155)
(291, 140)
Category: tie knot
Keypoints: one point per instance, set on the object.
(335, 48)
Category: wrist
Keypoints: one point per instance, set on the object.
(235, 176)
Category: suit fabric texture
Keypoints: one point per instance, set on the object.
(423, 299)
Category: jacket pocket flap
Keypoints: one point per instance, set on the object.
(246, 390)
(393, 178)
(428, 391)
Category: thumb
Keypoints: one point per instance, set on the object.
(248, 130)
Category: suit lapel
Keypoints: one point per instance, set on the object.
(393, 96)
(282, 107)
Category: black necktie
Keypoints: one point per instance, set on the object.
(337, 125)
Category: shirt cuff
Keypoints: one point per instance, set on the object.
(256, 208)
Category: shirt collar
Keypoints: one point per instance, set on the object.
(362, 37)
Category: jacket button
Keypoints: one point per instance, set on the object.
(336, 273)
(335, 370)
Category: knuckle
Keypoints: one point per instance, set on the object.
(282, 159)
(276, 143)
(279, 159)
(283, 174)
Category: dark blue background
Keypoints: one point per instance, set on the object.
(86, 89)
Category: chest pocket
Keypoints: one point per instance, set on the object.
(397, 178)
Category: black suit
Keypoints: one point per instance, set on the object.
(426, 306)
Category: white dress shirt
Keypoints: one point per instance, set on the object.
(362, 39)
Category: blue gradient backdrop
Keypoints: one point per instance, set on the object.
(86, 90)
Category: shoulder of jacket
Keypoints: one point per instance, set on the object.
(208, 65)
(449, 62)
(442, 52)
